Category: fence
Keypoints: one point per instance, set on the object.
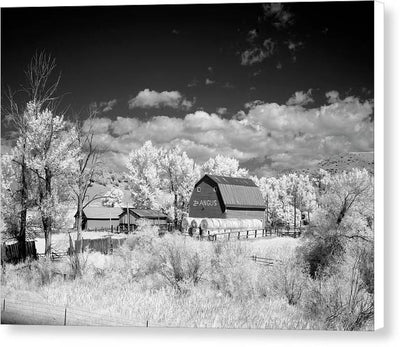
(238, 234)
(244, 234)
(105, 245)
(264, 261)
(40, 313)
(11, 253)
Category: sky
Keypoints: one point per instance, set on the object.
(273, 85)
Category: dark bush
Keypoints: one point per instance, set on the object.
(321, 252)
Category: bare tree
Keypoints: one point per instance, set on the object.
(88, 166)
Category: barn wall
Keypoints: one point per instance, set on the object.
(92, 224)
(123, 219)
(205, 204)
(245, 214)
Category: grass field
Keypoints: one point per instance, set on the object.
(176, 281)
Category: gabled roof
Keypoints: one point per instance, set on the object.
(146, 213)
(233, 181)
(101, 212)
(237, 192)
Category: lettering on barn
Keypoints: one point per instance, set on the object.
(204, 203)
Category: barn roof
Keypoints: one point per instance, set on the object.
(238, 192)
(100, 212)
(146, 213)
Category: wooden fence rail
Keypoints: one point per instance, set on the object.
(11, 253)
(42, 313)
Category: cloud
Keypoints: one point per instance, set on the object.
(280, 17)
(269, 46)
(258, 54)
(222, 110)
(209, 81)
(288, 135)
(151, 99)
(300, 98)
(252, 35)
(228, 85)
(253, 55)
(193, 83)
(252, 104)
(104, 106)
(293, 48)
(332, 96)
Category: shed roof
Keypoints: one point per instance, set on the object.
(100, 212)
(237, 192)
(146, 213)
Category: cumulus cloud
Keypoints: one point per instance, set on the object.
(288, 135)
(278, 14)
(252, 104)
(152, 99)
(332, 96)
(222, 110)
(300, 98)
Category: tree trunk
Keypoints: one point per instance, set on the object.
(176, 210)
(24, 197)
(47, 220)
(294, 212)
(79, 220)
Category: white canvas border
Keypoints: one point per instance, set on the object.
(166, 337)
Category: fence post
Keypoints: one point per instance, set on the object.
(255, 233)
(147, 324)
(238, 235)
(65, 316)
(4, 304)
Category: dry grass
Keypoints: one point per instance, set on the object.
(178, 281)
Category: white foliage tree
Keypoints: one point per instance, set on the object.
(180, 174)
(223, 166)
(52, 156)
(145, 176)
(113, 197)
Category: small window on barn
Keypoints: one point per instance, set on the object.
(215, 189)
(198, 189)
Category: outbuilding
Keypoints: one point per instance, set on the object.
(130, 218)
(226, 197)
(99, 217)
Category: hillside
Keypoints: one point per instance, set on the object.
(341, 162)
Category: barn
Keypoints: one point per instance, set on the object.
(99, 217)
(226, 197)
(130, 218)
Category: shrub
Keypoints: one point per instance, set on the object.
(321, 252)
(233, 273)
(288, 278)
(183, 262)
(340, 300)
